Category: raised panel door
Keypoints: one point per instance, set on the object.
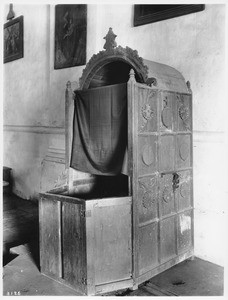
(160, 159)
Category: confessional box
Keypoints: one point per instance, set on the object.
(130, 227)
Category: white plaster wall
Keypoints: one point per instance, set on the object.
(25, 106)
(25, 80)
(193, 44)
(210, 197)
(24, 152)
(34, 99)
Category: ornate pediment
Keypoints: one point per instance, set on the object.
(110, 54)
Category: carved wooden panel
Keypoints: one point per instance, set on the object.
(184, 239)
(147, 105)
(50, 237)
(147, 154)
(167, 238)
(183, 193)
(167, 111)
(73, 233)
(148, 247)
(166, 195)
(112, 242)
(184, 112)
(183, 151)
(166, 153)
(147, 198)
(162, 184)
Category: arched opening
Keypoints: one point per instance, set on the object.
(112, 73)
(113, 67)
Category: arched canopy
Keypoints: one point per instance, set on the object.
(112, 66)
(115, 62)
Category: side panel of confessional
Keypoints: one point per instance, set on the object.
(160, 148)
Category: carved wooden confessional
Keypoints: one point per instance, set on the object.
(113, 241)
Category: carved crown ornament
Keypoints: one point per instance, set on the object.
(112, 53)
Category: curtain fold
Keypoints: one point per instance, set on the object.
(100, 130)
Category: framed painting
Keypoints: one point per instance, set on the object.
(70, 35)
(13, 39)
(145, 14)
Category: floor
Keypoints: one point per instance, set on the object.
(21, 275)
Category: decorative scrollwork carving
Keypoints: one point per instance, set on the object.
(119, 53)
(147, 112)
(184, 112)
(149, 194)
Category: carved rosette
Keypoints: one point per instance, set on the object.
(148, 192)
(184, 112)
(100, 59)
(147, 112)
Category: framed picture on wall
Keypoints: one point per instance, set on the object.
(13, 39)
(145, 14)
(70, 35)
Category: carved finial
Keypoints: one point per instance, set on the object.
(11, 13)
(189, 86)
(110, 40)
(132, 75)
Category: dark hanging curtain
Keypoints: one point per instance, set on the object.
(100, 130)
